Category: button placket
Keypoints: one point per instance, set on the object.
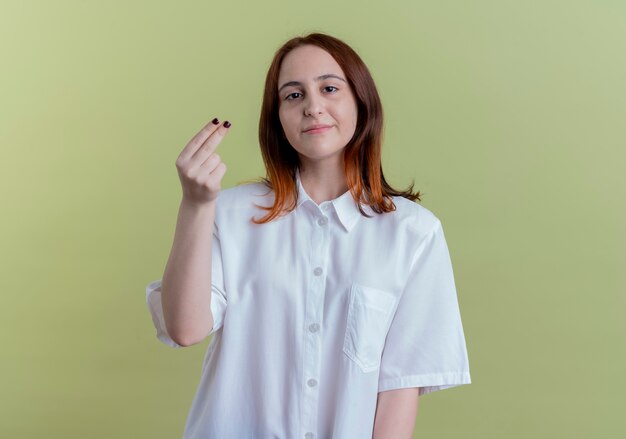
(314, 316)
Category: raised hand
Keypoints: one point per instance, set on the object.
(200, 168)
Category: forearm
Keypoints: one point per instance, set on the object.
(396, 413)
(186, 288)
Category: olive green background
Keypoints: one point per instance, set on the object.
(509, 117)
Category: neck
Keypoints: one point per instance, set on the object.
(323, 183)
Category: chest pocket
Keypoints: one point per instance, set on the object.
(369, 317)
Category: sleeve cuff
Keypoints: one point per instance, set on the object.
(426, 382)
(153, 300)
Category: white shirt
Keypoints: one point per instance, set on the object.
(317, 312)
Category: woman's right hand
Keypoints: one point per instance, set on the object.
(200, 169)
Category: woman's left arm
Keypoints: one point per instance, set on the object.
(396, 411)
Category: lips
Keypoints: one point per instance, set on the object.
(316, 128)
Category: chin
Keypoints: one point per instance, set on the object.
(320, 154)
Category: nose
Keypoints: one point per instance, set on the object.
(312, 105)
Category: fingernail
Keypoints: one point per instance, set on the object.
(227, 124)
(215, 121)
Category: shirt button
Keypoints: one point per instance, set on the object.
(312, 382)
(326, 207)
(314, 327)
(317, 271)
(322, 221)
(309, 435)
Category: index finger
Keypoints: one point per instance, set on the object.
(209, 146)
(194, 144)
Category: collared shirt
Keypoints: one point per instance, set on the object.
(318, 311)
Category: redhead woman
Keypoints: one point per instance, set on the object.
(329, 295)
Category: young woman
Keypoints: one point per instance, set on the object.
(330, 295)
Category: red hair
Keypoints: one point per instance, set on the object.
(362, 154)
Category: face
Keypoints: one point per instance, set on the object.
(313, 91)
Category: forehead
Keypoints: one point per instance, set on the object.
(307, 62)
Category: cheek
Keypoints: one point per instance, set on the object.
(281, 117)
(284, 120)
(349, 112)
(287, 126)
(350, 115)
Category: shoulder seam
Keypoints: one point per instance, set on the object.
(428, 236)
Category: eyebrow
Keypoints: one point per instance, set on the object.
(319, 78)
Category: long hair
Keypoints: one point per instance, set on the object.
(362, 154)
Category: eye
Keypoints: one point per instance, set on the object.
(289, 96)
(331, 86)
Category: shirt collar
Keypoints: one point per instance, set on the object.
(345, 206)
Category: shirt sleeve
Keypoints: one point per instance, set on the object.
(218, 296)
(425, 345)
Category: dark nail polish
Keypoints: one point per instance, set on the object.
(215, 121)
(227, 124)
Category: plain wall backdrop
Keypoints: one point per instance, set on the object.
(508, 115)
